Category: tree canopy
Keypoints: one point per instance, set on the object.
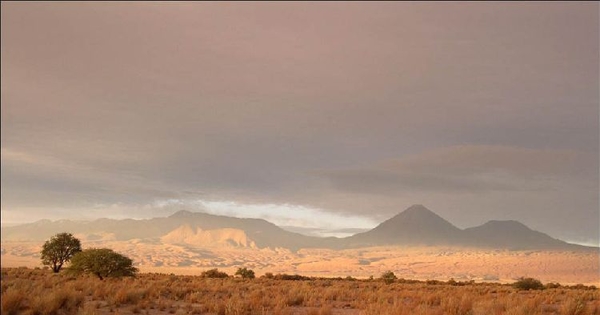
(59, 249)
(103, 263)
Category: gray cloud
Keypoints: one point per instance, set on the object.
(472, 169)
(353, 108)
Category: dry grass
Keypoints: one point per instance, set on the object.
(28, 291)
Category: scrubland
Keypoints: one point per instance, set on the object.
(38, 291)
(422, 263)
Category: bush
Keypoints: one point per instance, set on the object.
(551, 285)
(245, 273)
(12, 301)
(290, 277)
(214, 273)
(580, 286)
(388, 277)
(62, 301)
(59, 249)
(103, 263)
(528, 284)
(269, 275)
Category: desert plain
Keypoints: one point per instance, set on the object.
(419, 263)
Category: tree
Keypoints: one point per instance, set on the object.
(388, 277)
(245, 273)
(59, 249)
(103, 263)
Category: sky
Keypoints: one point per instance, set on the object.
(328, 116)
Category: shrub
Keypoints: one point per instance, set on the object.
(214, 273)
(269, 275)
(551, 285)
(61, 301)
(12, 301)
(59, 249)
(290, 277)
(528, 284)
(388, 277)
(103, 263)
(245, 273)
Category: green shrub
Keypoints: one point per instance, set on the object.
(551, 285)
(388, 277)
(214, 273)
(245, 273)
(269, 275)
(103, 263)
(528, 284)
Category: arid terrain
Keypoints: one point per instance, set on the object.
(415, 244)
(38, 291)
(422, 263)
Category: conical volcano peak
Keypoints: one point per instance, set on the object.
(416, 208)
(417, 217)
(418, 213)
(415, 225)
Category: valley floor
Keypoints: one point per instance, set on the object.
(421, 263)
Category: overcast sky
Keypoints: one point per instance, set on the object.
(324, 115)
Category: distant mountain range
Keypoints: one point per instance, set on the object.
(414, 226)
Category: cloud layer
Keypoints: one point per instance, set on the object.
(477, 110)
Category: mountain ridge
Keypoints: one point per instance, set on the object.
(415, 226)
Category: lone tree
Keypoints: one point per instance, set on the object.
(245, 273)
(103, 263)
(59, 249)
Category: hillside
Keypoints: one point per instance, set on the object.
(256, 231)
(415, 226)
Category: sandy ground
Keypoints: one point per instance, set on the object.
(421, 263)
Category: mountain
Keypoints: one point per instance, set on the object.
(415, 226)
(256, 231)
(512, 235)
(418, 225)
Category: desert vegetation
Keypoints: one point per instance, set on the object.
(59, 249)
(103, 263)
(40, 291)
